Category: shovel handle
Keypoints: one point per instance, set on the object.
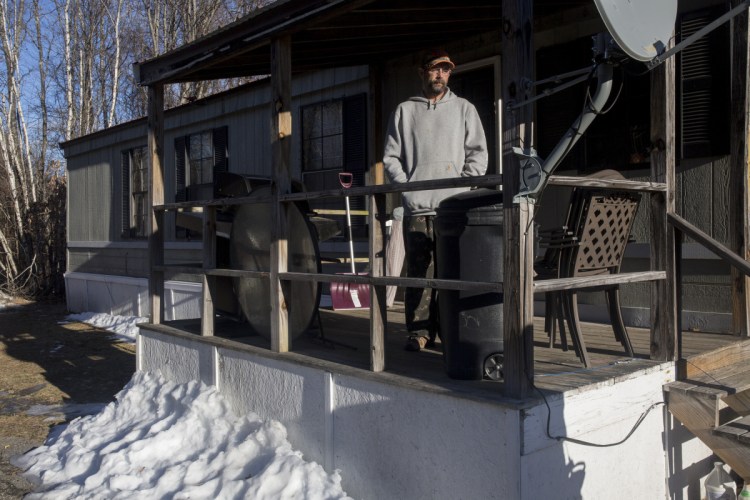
(346, 179)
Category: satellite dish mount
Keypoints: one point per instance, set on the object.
(639, 29)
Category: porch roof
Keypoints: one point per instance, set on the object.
(329, 33)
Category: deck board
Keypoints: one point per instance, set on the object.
(555, 370)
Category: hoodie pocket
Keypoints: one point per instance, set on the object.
(434, 170)
(417, 202)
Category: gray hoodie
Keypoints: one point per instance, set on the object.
(434, 140)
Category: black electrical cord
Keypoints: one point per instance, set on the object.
(637, 424)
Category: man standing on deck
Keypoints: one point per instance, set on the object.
(433, 136)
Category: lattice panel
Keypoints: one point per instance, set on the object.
(605, 232)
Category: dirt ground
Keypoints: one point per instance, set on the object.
(51, 371)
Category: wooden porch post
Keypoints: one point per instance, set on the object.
(664, 311)
(518, 314)
(281, 145)
(208, 311)
(156, 197)
(738, 172)
(378, 309)
(376, 223)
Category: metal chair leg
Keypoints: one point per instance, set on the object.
(550, 316)
(560, 313)
(615, 315)
(575, 329)
(554, 319)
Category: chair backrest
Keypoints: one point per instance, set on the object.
(605, 219)
(579, 194)
(595, 234)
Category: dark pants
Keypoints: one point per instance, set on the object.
(420, 304)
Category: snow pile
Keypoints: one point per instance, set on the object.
(161, 439)
(123, 327)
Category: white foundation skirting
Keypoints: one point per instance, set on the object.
(396, 437)
(126, 296)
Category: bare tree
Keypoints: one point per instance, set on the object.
(65, 64)
(26, 221)
(91, 63)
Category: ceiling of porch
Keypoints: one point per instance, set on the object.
(326, 33)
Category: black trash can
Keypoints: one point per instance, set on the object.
(469, 240)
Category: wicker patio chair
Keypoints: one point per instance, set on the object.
(591, 243)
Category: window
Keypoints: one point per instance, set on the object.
(618, 138)
(334, 139)
(198, 157)
(322, 137)
(134, 192)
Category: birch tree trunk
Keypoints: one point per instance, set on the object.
(115, 20)
(27, 226)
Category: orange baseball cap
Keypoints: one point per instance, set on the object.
(435, 57)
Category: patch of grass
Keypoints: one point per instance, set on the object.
(45, 363)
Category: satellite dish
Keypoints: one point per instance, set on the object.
(249, 247)
(642, 28)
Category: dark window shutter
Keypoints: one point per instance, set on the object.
(703, 87)
(354, 111)
(221, 151)
(179, 168)
(355, 135)
(125, 169)
(221, 156)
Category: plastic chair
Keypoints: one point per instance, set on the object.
(591, 243)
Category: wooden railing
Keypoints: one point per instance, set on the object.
(681, 226)
(720, 250)
(376, 242)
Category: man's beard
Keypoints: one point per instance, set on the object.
(436, 87)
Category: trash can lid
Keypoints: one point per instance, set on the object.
(476, 199)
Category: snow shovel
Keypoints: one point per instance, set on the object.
(349, 295)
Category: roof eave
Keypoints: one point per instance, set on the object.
(251, 32)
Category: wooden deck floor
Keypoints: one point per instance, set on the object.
(555, 370)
